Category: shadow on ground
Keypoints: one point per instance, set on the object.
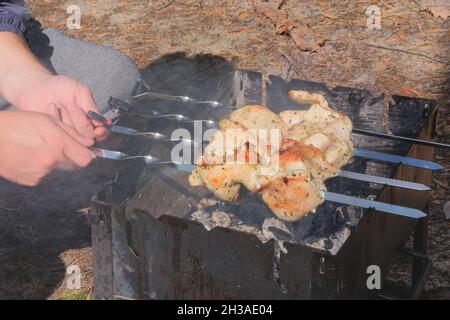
(37, 225)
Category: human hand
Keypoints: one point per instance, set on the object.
(26, 84)
(59, 96)
(33, 144)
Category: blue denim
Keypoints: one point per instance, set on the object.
(14, 17)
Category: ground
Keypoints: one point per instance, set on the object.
(326, 41)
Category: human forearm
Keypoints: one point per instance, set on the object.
(18, 66)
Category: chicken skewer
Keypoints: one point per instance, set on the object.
(320, 146)
(117, 155)
(329, 196)
(361, 153)
(312, 146)
(216, 104)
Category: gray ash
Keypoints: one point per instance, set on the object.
(326, 229)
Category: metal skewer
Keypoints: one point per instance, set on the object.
(393, 158)
(177, 117)
(362, 153)
(184, 99)
(117, 155)
(180, 118)
(148, 159)
(133, 132)
(216, 104)
(329, 196)
(400, 138)
(149, 134)
(383, 181)
(372, 204)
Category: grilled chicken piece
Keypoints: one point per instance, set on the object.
(288, 189)
(259, 117)
(293, 197)
(294, 191)
(293, 117)
(322, 127)
(234, 142)
(319, 112)
(295, 154)
(311, 146)
(225, 165)
(305, 97)
(225, 180)
(336, 150)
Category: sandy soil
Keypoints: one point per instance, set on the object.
(408, 55)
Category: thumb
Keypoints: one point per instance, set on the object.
(85, 100)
